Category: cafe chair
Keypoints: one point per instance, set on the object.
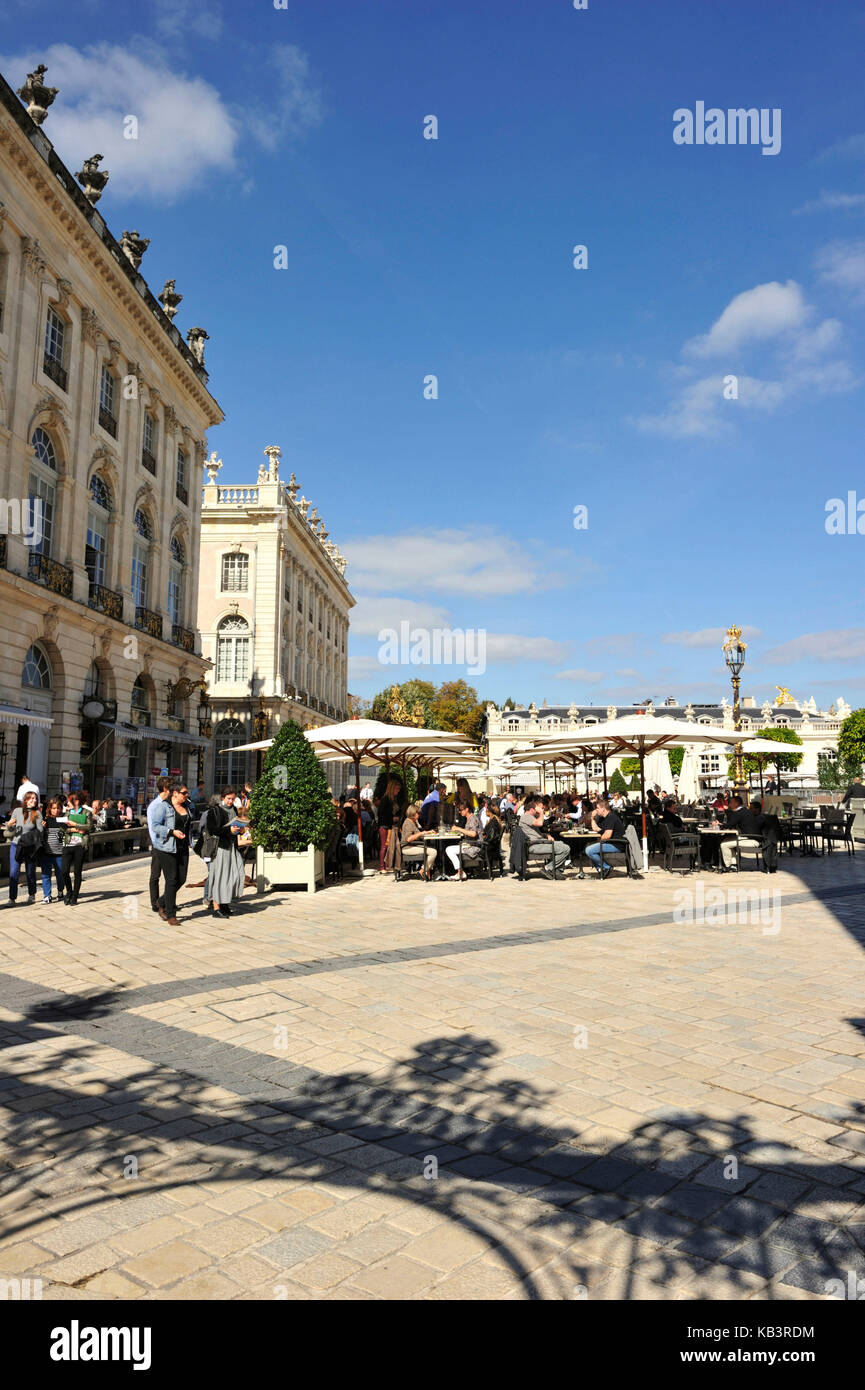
(411, 863)
(680, 848)
(522, 853)
(837, 828)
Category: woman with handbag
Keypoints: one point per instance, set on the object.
(225, 878)
(53, 843)
(25, 825)
(78, 822)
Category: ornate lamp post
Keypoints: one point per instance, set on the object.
(260, 725)
(734, 654)
(205, 727)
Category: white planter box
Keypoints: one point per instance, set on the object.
(289, 868)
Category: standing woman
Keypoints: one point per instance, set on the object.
(78, 824)
(465, 794)
(387, 811)
(52, 849)
(225, 879)
(25, 845)
(183, 823)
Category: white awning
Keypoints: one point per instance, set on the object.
(144, 732)
(10, 714)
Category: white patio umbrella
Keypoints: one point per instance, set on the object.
(639, 734)
(689, 775)
(658, 770)
(766, 748)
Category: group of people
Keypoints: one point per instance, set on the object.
(176, 823)
(48, 839)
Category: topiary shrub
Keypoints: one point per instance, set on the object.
(290, 807)
(617, 782)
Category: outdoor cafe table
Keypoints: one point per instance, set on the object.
(580, 840)
(807, 828)
(441, 839)
(713, 847)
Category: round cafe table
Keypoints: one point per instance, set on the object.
(441, 839)
(580, 840)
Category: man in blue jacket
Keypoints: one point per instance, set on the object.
(163, 851)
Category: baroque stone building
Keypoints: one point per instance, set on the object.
(273, 610)
(513, 730)
(103, 414)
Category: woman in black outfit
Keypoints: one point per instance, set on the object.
(182, 821)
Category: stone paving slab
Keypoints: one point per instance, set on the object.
(479, 1090)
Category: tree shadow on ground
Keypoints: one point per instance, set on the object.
(684, 1201)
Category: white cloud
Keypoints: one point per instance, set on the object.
(370, 615)
(842, 644)
(833, 202)
(842, 263)
(473, 560)
(753, 316)
(186, 129)
(175, 19)
(509, 646)
(706, 637)
(852, 147)
(584, 677)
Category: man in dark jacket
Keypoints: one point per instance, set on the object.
(750, 823)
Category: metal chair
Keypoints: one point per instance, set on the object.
(678, 844)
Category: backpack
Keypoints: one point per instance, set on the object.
(204, 844)
(29, 842)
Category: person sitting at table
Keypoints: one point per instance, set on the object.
(470, 842)
(750, 823)
(462, 810)
(531, 823)
(653, 802)
(671, 815)
(720, 802)
(430, 810)
(610, 827)
(411, 841)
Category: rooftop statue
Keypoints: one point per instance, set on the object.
(134, 246)
(36, 95)
(92, 178)
(784, 696)
(274, 454)
(170, 299)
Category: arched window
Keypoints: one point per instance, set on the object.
(141, 557)
(96, 544)
(175, 581)
(107, 401)
(232, 649)
(231, 768)
(36, 672)
(140, 704)
(42, 493)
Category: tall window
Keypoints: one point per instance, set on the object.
(175, 582)
(55, 348)
(300, 595)
(42, 491)
(96, 546)
(181, 486)
(235, 573)
(140, 703)
(232, 650)
(233, 767)
(140, 557)
(107, 392)
(148, 443)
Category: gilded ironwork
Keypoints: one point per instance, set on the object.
(183, 637)
(106, 601)
(50, 573)
(148, 621)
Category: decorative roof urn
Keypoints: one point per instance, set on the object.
(36, 96)
(92, 178)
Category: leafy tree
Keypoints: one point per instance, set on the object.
(828, 773)
(509, 703)
(458, 710)
(290, 807)
(676, 756)
(851, 742)
(617, 782)
(631, 767)
(357, 708)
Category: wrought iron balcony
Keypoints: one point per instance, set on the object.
(148, 461)
(54, 576)
(108, 422)
(55, 371)
(106, 601)
(148, 621)
(181, 494)
(182, 637)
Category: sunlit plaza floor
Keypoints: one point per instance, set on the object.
(439, 1091)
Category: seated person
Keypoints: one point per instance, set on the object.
(411, 841)
(610, 827)
(540, 844)
(750, 824)
(671, 815)
(470, 842)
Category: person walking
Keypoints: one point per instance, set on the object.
(225, 876)
(25, 845)
(53, 842)
(164, 837)
(78, 821)
(183, 823)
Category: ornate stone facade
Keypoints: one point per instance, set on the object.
(273, 612)
(100, 597)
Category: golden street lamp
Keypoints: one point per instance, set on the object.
(734, 654)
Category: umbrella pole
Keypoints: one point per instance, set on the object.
(604, 761)
(643, 797)
(359, 821)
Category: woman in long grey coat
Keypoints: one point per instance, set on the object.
(225, 879)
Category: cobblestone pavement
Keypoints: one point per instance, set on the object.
(450, 1091)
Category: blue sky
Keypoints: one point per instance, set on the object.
(558, 387)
